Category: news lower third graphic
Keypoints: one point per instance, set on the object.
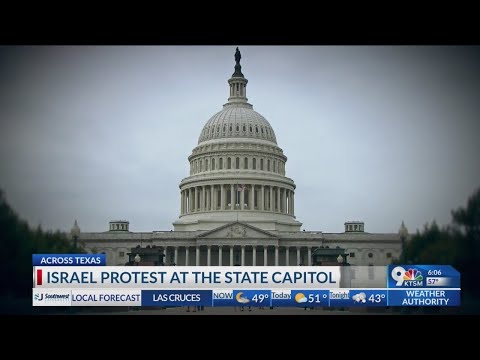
(85, 280)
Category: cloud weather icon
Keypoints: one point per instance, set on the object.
(241, 299)
(300, 298)
(360, 298)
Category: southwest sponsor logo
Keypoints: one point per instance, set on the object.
(52, 297)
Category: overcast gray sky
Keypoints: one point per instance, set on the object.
(378, 134)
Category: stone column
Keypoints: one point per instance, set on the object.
(185, 196)
(270, 198)
(252, 198)
(202, 204)
(309, 256)
(207, 198)
(262, 198)
(293, 203)
(242, 199)
(278, 199)
(243, 255)
(289, 202)
(189, 200)
(298, 255)
(287, 255)
(181, 202)
(220, 255)
(284, 201)
(233, 198)
(222, 197)
(166, 255)
(231, 255)
(254, 260)
(194, 199)
(265, 255)
(212, 198)
(187, 255)
(175, 255)
(209, 255)
(276, 255)
(197, 198)
(197, 256)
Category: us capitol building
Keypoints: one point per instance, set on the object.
(238, 205)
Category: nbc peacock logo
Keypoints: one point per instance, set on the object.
(411, 277)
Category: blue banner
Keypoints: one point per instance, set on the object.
(358, 297)
(423, 297)
(422, 276)
(69, 260)
(177, 298)
(300, 298)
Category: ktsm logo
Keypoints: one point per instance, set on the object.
(412, 277)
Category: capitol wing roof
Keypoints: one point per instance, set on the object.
(237, 230)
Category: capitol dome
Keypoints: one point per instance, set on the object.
(237, 170)
(237, 121)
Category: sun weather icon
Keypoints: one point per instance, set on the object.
(300, 298)
(413, 274)
(242, 299)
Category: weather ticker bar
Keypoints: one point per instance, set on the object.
(247, 297)
(59, 281)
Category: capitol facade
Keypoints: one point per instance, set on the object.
(238, 205)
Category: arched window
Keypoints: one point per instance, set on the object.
(230, 127)
(273, 165)
(268, 165)
(201, 166)
(229, 163)
(244, 128)
(261, 164)
(224, 128)
(251, 128)
(256, 129)
(254, 164)
(262, 129)
(245, 163)
(237, 163)
(238, 128)
(221, 164)
(213, 164)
